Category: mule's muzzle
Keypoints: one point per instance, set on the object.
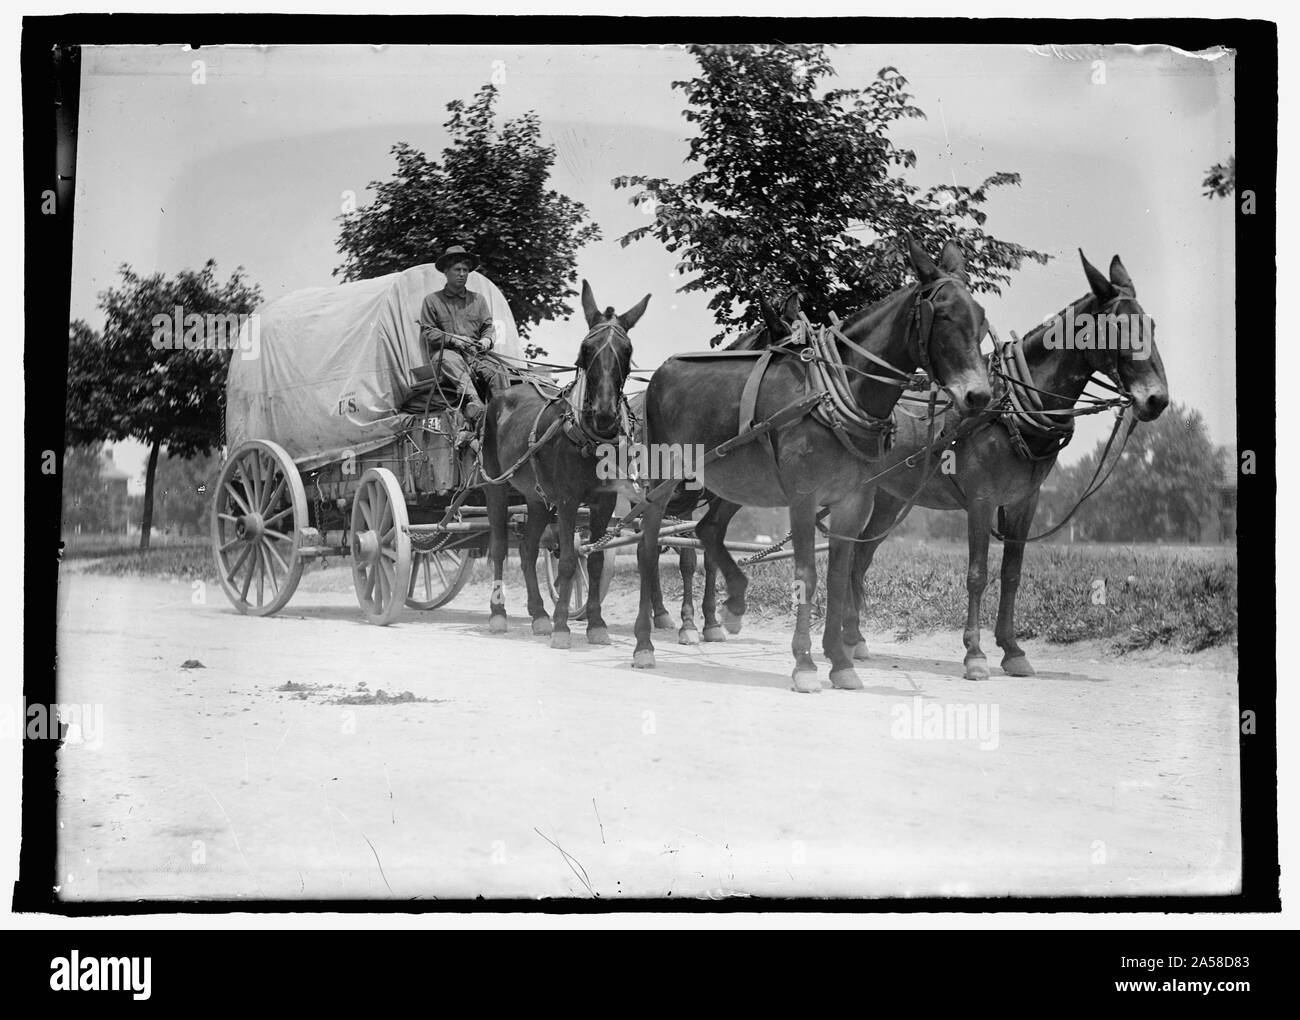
(603, 424)
(972, 399)
(1149, 405)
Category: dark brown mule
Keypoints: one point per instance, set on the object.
(561, 472)
(989, 474)
(686, 501)
(804, 466)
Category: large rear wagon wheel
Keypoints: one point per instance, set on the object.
(381, 547)
(438, 577)
(258, 512)
(578, 592)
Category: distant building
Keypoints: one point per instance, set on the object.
(114, 481)
(1224, 528)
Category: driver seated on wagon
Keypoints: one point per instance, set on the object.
(456, 328)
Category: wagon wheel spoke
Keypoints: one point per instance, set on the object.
(234, 571)
(271, 551)
(254, 469)
(232, 543)
(243, 592)
(363, 501)
(275, 494)
(231, 518)
(279, 536)
(270, 570)
(275, 517)
(442, 574)
(259, 568)
(230, 489)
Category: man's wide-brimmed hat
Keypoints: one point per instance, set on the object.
(454, 254)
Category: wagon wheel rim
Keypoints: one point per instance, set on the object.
(437, 577)
(578, 592)
(258, 512)
(381, 546)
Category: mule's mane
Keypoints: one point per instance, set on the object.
(1033, 339)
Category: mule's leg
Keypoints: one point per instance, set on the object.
(647, 561)
(1016, 522)
(538, 517)
(712, 531)
(662, 620)
(803, 519)
(566, 520)
(712, 629)
(846, 520)
(602, 508)
(979, 518)
(498, 506)
(883, 516)
(687, 634)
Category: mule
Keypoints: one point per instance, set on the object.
(684, 503)
(561, 472)
(806, 465)
(993, 471)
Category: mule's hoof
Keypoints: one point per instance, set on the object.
(732, 621)
(498, 625)
(858, 651)
(688, 636)
(598, 636)
(846, 679)
(715, 633)
(643, 659)
(806, 681)
(561, 639)
(663, 622)
(1017, 665)
(543, 626)
(977, 669)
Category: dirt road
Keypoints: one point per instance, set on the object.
(526, 771)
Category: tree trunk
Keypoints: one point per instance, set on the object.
(146, 517)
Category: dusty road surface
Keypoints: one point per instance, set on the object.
(523, 771)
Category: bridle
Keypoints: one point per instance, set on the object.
(576, 427)
(1024, 410)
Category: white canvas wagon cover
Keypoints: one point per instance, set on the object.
(330, 366)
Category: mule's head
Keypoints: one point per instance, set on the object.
(947, 340)
(1125, 341)
(604, 360)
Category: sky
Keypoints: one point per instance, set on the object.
(251, 168)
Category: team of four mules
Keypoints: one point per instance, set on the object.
(773, 445)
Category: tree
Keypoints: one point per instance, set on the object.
(489, 193)
(1164, 486)
(85, 498)
(121, 385)
(1221, 179)
(184, 486)
(802, 189)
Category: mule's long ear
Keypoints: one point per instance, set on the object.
(952, 261)
(775, 327)
(633, 314)
(790, 310)
(589, 307)
(925, 268)
(1119, 276)
(1100, 285)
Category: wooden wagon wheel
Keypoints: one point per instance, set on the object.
(578, 592)
(437, 577)
(258, 512)
(381, 548)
